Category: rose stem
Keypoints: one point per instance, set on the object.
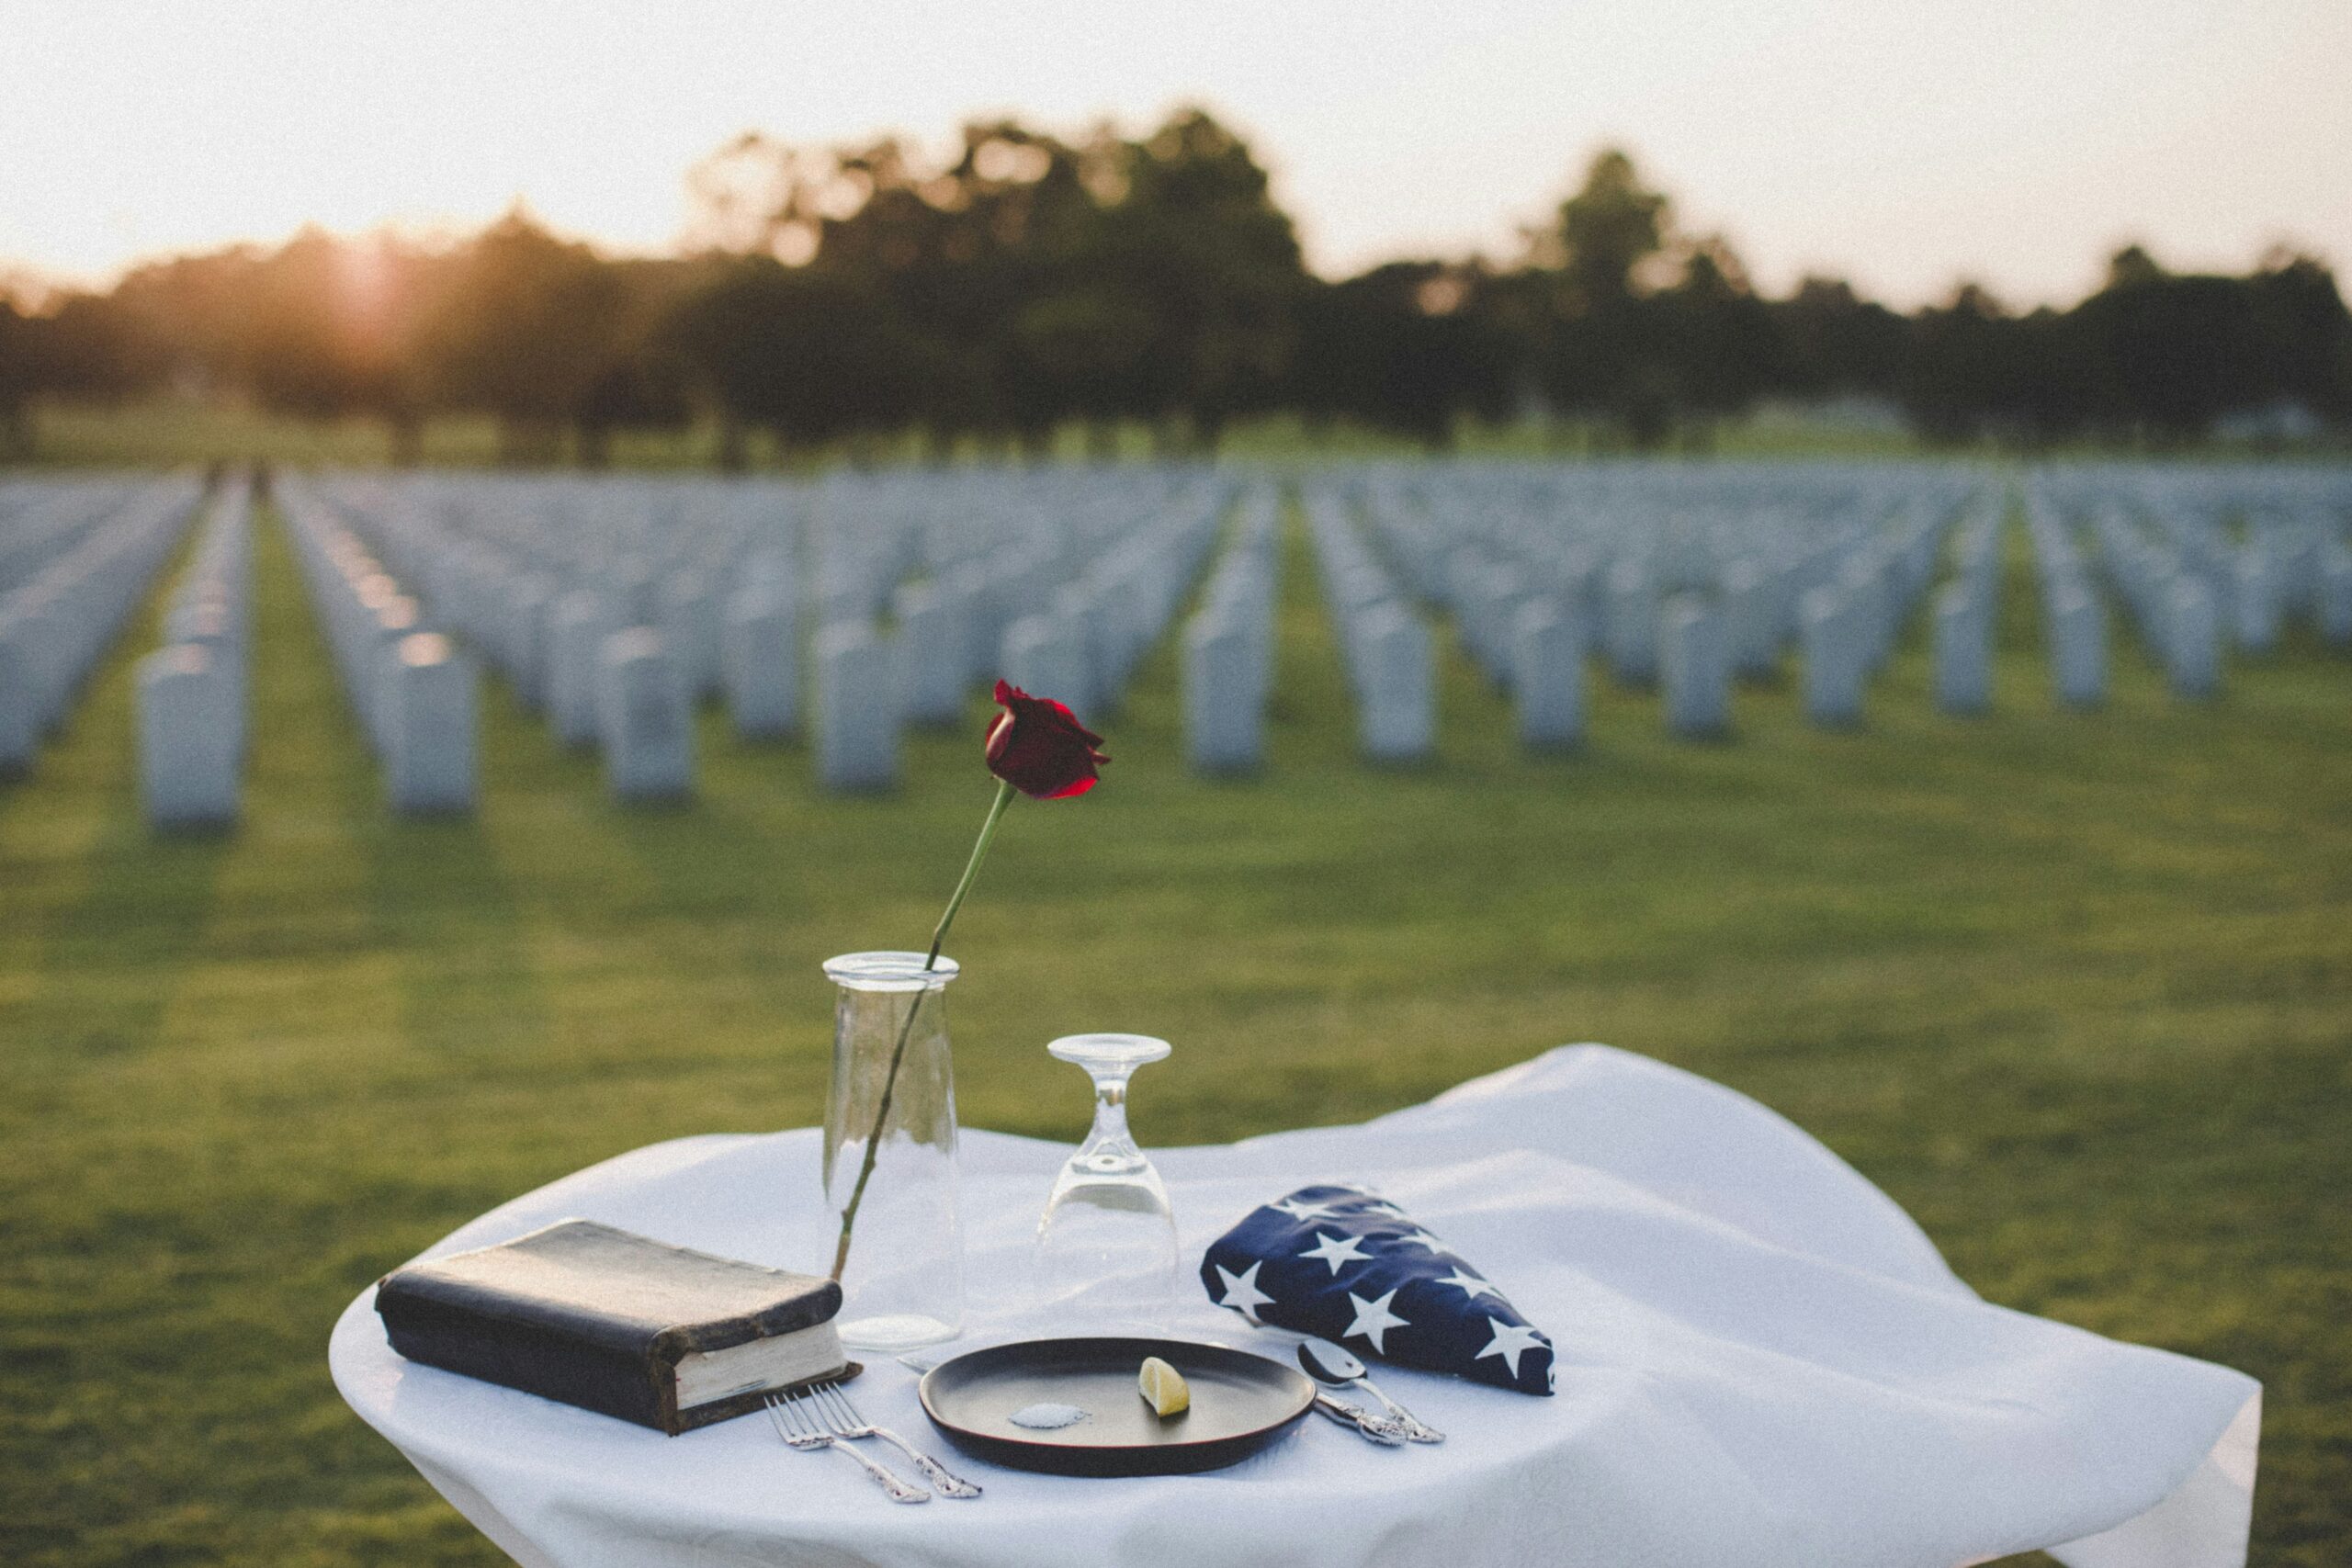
(907, 1029)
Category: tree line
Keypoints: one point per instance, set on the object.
(1026, 282)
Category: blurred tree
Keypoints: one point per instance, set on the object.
(1834, 342)
(522, 325)
(2173, 352)
(1405, 347)
(1962, 369)
(810, 356)
(1208, 266)
(1022, 282)
(2304, 333)
(1604, 353)
(1718, 340)
(20, 378)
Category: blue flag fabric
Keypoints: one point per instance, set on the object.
(1350, 1266)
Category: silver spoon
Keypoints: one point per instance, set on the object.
(1328, 1363)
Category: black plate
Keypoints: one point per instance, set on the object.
(1240, 1403)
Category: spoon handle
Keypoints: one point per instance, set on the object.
(1414, 1426)
(1387, 1434)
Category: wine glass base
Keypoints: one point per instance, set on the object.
(889, 1333)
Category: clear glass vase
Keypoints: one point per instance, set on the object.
(890, 1152)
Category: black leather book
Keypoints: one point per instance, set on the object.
(617, 1323)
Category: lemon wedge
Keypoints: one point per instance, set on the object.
(1162, 1387)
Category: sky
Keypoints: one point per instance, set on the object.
(1900, 143)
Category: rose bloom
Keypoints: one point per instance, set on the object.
(1037, 746)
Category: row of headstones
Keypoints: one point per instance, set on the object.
(1384, 646)
(2280, 563)
(41, 518)
(619, 669)
(1668, 600)
(635, 698)
(414, 691)
(2074, 615)
(1967, 613)
(2181, 613)
(1692, 628)
(55, 626)
(617, 651)
(1078, 641)
(192, 691)
(1848, 626)
(1228, 650)
(1517, 607)
(2287, 566)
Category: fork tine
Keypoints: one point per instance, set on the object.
(840, 1397)
(839, 1416)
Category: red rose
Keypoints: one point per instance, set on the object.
(1038, 747)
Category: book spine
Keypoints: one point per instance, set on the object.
(532, 1358)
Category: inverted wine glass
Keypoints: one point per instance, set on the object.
(1106, 1245)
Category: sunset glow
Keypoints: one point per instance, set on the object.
(1902, 144)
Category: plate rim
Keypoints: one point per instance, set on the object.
(1304, 1383)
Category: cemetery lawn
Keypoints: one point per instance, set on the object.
(2075, 990)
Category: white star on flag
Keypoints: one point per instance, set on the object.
(1511, 1341)
(1241, 1291)
(1470, 1284)
(1373, 1320)
(1335, 1250)
(1421, 1238)
(1298, 1209)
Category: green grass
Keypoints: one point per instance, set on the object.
(2075, 990)
(155, 432)
(143, 434)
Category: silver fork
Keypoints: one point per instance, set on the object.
(799, 1426)
(830, 1400)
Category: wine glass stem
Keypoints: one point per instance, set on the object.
(1109, 1110)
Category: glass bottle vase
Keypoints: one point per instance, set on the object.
(890, 1152)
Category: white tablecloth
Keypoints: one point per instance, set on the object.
(1761, 1362)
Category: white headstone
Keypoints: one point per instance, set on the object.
(1222, 729)
(1752, 606)
(2193, 638)
(20, 718)
(762, 659)
(1695, 664)
(1630, 626)
(2257, 592)
(857, 709)
(930, 642)
(1866, 607)
(187, 739)
(689, 626)
(582, 620)
(643, 719)
(1397, 693)
(2334, 597)
(1836, 658)
(429, 715)
(1548, 676)
(1047, 656)
(527, 610)
(1964, 651)
(2078, 647)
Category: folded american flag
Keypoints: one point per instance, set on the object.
(1350, 1266)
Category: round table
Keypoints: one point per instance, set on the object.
(1760, 1360)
